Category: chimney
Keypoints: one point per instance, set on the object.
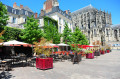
(66, 11)
(42, 12)
(21, 6)
(15, 5)
(36, 15)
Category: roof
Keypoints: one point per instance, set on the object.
(116, 26)
(57, 9)
(85, 9)
(19, 12)
(27, 8)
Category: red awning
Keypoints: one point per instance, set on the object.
(56, 46)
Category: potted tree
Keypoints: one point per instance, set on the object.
(97, 53)
(77, 55)
(89, 55)
(102, 51)
(108, 49)
(43, 51)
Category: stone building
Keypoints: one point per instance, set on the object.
(52, 10)
(95, 24)
(18, 15)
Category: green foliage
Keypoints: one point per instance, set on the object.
(11, 33)
(90, 51)
(31, 33)
(67, 34)
(51, 30)
(78, 38)
(3, 16)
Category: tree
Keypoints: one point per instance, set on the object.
(67, 34)
(41, 48)
(50, 30)
(12, 33)
(1, 37)
(3, 16)
(31, 33)
(78, 38)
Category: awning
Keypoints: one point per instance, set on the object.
(15, 43)
(62, 44)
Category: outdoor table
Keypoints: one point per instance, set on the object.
(7, 63)
(15, 58)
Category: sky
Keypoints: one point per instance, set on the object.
(112, 6)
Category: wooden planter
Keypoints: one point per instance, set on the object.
(44, 63)
(108, 51)
(90, 55)
(102, 52)
(97, 53)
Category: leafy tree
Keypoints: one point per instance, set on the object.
(12, 33)
(67, 34)
(41, 48)
(50, 30)
(3, 16)
(78, 38)
(1, 37)
(31, 33)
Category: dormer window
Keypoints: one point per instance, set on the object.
(26, 13)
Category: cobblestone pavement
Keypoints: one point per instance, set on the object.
(103, 67)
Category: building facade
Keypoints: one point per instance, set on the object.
(18, 15)
(52, 10)
(96, 25)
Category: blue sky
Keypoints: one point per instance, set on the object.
(112, 6)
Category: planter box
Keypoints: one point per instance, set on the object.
(90, 55)
(97, 53)
(102, 52)
(108, 51)
(46, 63)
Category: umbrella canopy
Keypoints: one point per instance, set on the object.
(15, 43)
(62, 44)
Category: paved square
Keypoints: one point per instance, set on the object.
(103, 67)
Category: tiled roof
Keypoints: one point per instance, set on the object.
(57, 9)
(19, 12)
(85, 9)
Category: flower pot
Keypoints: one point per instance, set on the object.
(108, 51)
(44, 63)
(97, 53)
(102, 52)
(90, 55)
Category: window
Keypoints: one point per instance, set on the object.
(60, 20)
(26, 13)
(54, 24)
(25, 19)
(48, 22)
(107, 32)
(95, 32)
(14, 20)
(64, 22)
(60, 29)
